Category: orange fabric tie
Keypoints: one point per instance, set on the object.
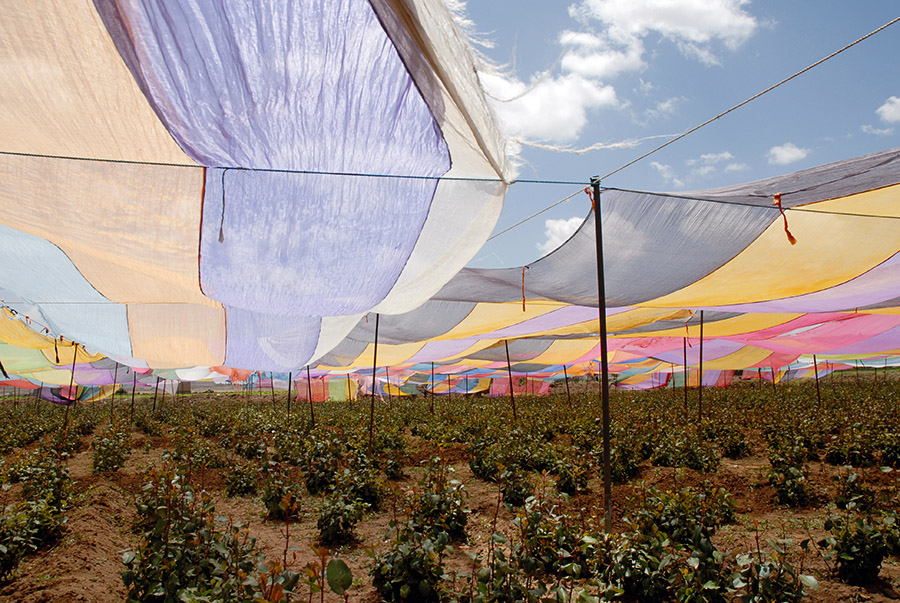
(590, 194)
(777, 202)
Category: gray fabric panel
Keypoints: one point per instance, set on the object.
(837, 179)
(526, 367)
(519, 350)
(344, 353)
(652, 246)
(430, 320)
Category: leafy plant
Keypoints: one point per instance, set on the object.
(110, 450)
(241, 480)
(411, 569)
(338, 517)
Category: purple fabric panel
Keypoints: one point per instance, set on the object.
(883, 342)
(712, 349)
(266, 342)
(563, 317)
(307, 244)
(308, 85)
(434, 351)
(312, 86)
(877, 285)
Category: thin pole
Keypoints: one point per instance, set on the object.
(312, 414)
(372, 400)
(512, 395)
(163, 401)
(112, 399)
(818, 395)
(387, 377)
(133, 387)
(685, 385)
(290, 379)
(604, 360)
(432, 388)
(700, 382)
(568, 395)
(155, 392)
(774, 391)
(467, 384)
(71, 387)
(272, 383)
(856, 362)
(759, 376)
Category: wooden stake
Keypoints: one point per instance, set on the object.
(133, 387)
(432, 388)
(155, 392)
(568, 395)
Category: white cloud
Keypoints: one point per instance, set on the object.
(553, 109)
(706, 170)
(711, 158)
(596, 57)
(694, 25)
(869, 129)
(890, 110)
(667, 173)
(786, 153)
(736, 167)
(558, 232)
(664, 108)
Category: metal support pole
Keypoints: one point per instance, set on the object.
(112, 399)
(512, 395)
(432, 388)
(387, 378)
(774, 391)
(700, 384)
(685, 385)
(604, 360)
(290, 383)
(818, 394)
(71, 389)
(312, 414)
(372, 400)
(272, 384)
(133, 387)
(568, 395)
(155, 392)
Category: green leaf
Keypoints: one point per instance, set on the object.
(338, 576)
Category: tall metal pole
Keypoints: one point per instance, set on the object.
(432, 388)
(155, 392)
(372, 400)
(272, 384)
(290, 382)
(685, 385)
(112, 399)
(312, 414)
(816, 369)
(774, 391)
(568, 395)
(700, 383)
(387, 378)
(71, 389)
(512, 395)
(604, 360)
(133, 387)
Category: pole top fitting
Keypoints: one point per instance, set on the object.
(595, 180)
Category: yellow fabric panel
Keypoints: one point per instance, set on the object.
(177, 335)
(67, 90)
(830, 250)
(489, 317)
(51, 376)
(14, 332)
(741, 359)
(630, 319)
(635, 379)
(895, 310)
(738, 325)
(565, 350)
(132, 230)
(22, 360)
(388, 355)
(67, 354)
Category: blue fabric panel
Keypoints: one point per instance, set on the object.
(266, 342)
(37, 277)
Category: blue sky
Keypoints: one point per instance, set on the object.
(608, 72)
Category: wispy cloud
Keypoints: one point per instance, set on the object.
(890, 111)
(667, 173)
(786, 154)
(869, 129)
(558, 232)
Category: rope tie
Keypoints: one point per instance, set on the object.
(777, 202)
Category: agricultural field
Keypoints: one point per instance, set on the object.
(772, 496)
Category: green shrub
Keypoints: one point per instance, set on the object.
(24, 528)
(110, 450)
(441, 505)
(241, 480)
(411, 569)
(858, 545)
(279, 494)
(338, 518)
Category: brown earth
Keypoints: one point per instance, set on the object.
(85, 564)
